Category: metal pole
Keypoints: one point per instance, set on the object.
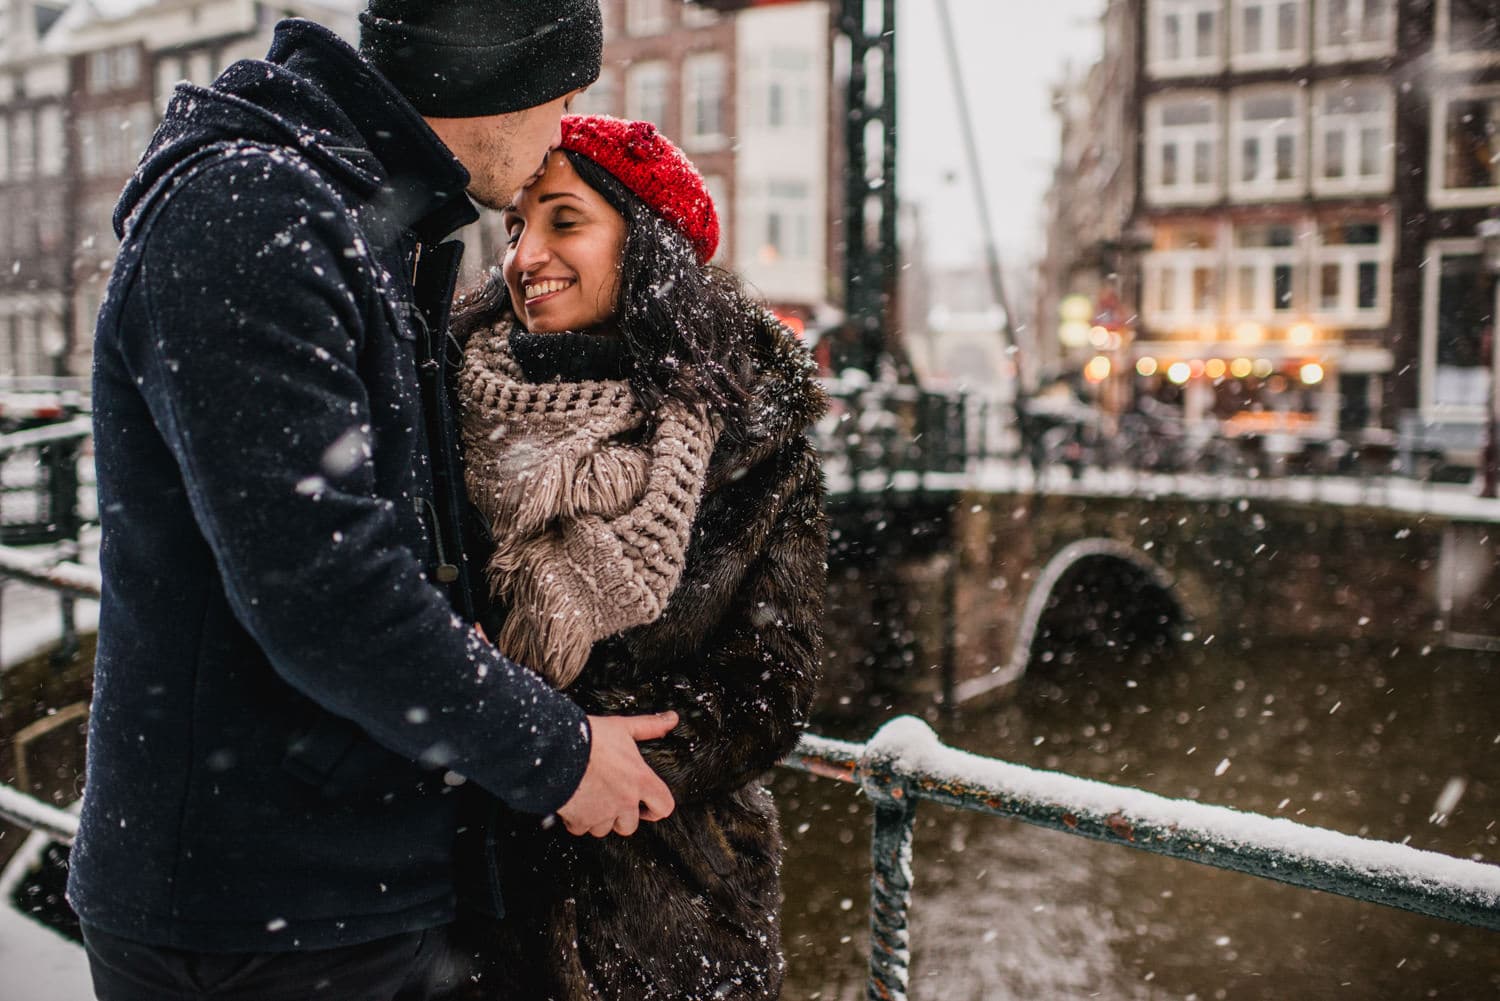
(890, 890)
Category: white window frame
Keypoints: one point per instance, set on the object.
(1270, 53)
(790, 201)
(116, 68)
(1329, 49)
(23, 144)
(635, 79)
(1353, 127)
(646, 17)
(698, 16)
(51, 145)
(718, 193)
(1262, 308)
(601, 97)
(1265, 185)
(1438, 194)
(1186, 138)
(1442, 43)
(1348, 257)
(1431, 277)
(1190, 60)
(1177, 270)
(698, 70)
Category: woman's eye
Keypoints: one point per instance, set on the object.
(512, 235)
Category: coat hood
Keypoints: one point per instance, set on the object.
(314, 94)
(786, 400)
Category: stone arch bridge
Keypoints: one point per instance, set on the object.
(957, 582)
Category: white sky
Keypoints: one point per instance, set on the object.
(1012, 52)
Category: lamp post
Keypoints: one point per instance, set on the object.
(1489, 244)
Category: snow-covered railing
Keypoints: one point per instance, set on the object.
(31, 813)
(73, 580)
(905, 762)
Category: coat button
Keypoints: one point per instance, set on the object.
(446, 573)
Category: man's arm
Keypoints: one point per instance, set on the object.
(245, 337)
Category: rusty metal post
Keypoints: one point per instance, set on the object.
(890, 874)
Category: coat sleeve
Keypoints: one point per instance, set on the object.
(244, 330)
(743, 697)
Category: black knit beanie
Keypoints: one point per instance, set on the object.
(466, 58)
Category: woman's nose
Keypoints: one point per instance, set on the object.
(530, 252)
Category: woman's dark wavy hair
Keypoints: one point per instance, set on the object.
(687, 327)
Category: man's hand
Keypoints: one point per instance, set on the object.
(619, 789)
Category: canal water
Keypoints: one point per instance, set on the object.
(1360, 740)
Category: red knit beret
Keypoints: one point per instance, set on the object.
(647, 163)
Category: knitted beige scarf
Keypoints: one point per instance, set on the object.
(590, 516)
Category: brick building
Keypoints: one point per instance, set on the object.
(746, 95)
(1310, 174)
(82, 87)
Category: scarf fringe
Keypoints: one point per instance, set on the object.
(591, 534)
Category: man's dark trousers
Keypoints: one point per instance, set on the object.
(416, 966)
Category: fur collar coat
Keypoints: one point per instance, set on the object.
(689, 908)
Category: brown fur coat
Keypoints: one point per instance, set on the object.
(689, 908)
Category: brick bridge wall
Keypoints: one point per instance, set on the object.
(991, 587)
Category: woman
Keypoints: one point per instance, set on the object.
(634, 432)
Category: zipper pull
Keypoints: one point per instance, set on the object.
(445, 572)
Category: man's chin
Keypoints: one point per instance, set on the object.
(489, 199)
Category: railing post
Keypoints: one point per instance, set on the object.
(890, 874)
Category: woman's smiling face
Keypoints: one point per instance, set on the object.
(562, 261)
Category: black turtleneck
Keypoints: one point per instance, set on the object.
(571, 357)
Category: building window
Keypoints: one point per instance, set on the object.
(1183, 143)
(1182, 278)
(49, 220)
(114, 69)
(704, 92)
(697, 16)
(50, 149)
(22, 145)
(1350, 278)
(110, 142)
(1266, 143)
(646, 93)
(600, 98)
(1469, 30)
(1268, 32)
(1185, 36)
(26, 347)
(4, 148)
(1350, 29)
(1265, 273)
(1352, 138)
(1466, 150)
(1461, 305)
(645, 17)
(788, 223)
(717, 192)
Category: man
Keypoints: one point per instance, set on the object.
(285, 699)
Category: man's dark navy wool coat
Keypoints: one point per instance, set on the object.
(283, 697)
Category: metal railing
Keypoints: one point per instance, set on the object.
(905, 762)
